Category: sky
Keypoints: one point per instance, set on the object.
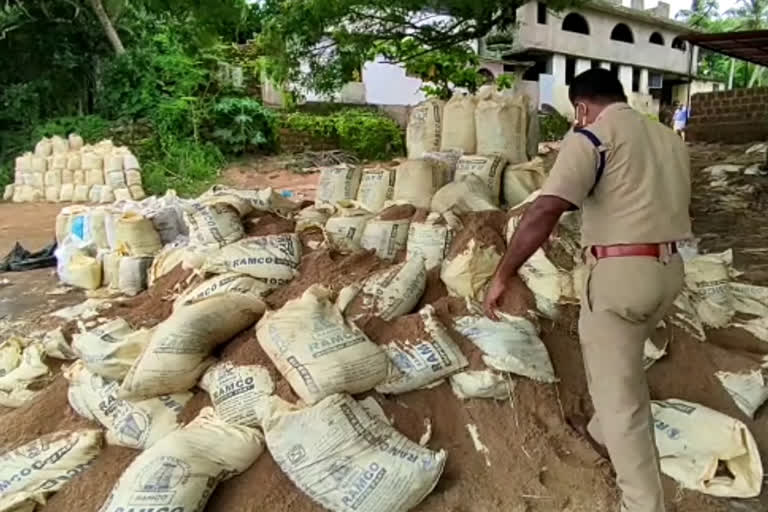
(678, 5)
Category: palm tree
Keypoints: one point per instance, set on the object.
(751, 15)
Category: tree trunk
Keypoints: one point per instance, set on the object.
(755, 75)
(106, 23)
(730, 75)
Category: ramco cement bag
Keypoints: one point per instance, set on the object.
(684, 316)
(41, 467)
(386, 237)
(550, 285)
(217, 224)
(521, 180)
(317, 351)
(693, 442)
(430, 239)
(136, 236)
(180, 472)
(501, 125)
(467, 273)
(273, 258)
(488, 168)
(388, 293)
(511, 345)
(224, 284)
(749, 299)
(416, 181)
(425, 126)
(482, 384)
(132, 424)
(313, 217)
(416, 363)
(240, 393)
(345, 229)
(30, 370)
(470, 194)
(110, 349)
(459, 124)
(348, 459)
(377, 186)
(179, 348)
(707, 276)
(337, 183)
(748, 389)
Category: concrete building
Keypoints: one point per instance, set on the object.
(547, 49)
(643, 47)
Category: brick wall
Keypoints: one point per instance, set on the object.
(736, 116)
(296, 142)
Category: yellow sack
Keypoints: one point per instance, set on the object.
(136, 235)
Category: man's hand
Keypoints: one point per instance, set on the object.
(493, 296)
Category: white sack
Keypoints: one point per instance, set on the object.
(416, 363)
(431, 239)
(386, 237)
(317, 351)
(481, 384)
(707, 276)
(347, 459)
(132, 274)
(377, 186)
(749, 299)
(489, 169)
(467, 273)
(550, 285)
(30, 370)
(748, 389)
(337, 183)
(468, 195)
(110, 349)
(41, 467)
(693, 440)
(224, 284)
(136, 425)
(240, 393)
(458, 130)
(416, 181)
(75, 141)
(179, 348)
(136, 236)
(510, 345)
(501, 124)
(425, 125)
(273, 258)
(521, 180)
(345, 229)
(180, 472)
(217, 224)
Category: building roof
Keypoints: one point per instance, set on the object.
(635, 14)
(751, 46)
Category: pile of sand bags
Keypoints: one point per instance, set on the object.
(67, 170)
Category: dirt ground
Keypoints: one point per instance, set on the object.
(536, 460)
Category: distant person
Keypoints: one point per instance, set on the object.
(630, 177)
(680, 120)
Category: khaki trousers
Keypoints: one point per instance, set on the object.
(623, 300)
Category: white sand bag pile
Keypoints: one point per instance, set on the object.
(41, 467)
(136, 425)
(693, 441)
(317, 351)
(182, 469)
(348, 458)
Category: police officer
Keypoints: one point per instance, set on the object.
(630, 176)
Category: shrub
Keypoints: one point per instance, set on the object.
(242, 124)
(181, 164)
(367, 134)
(91, 128)
(553, 126)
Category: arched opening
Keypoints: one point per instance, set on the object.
(623, 33)
(679, 44)
(575, 22)
(487, 75)
(656, 38)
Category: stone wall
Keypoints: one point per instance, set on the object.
(736, 116)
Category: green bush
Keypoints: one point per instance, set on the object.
(181, 164)
(242, 124)
(553, 126)
(91, 128)
(367, 134)
(6, 177)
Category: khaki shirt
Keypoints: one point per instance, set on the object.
(645, 190)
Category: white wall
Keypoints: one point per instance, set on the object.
(387, 84)
(598, 44)
(680, 92)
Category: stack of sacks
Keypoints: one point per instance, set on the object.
(66, 170)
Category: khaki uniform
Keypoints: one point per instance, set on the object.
(641, 198)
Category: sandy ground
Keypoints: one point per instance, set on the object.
(536, 464)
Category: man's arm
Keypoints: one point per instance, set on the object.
(534, 229)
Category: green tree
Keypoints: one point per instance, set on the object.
(321, 44)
